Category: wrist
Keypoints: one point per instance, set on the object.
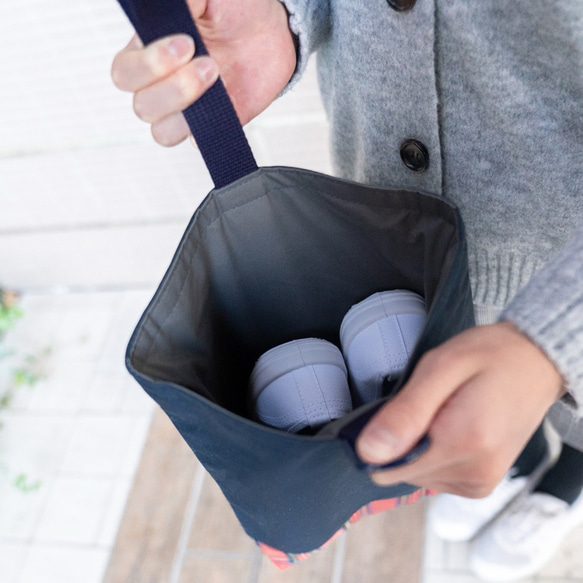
(284, 22)
(554, 379)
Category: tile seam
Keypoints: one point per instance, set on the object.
(181, 548)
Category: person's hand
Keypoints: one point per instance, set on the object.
(480, 396)
(251, 47)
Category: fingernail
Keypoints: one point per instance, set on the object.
(206, 70)
(180, 46)
(377, 445)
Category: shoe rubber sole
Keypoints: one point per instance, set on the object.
(376, 307)
(291, 356)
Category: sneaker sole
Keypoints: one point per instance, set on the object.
(374, 308)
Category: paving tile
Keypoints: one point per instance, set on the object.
(387, 546)
(64, 564)
(95, 186)
(82, 331)
(111, 361)
(12, 558)
(21, 395)
(29, 340)
(98, 445)
(114, 513)
(61, 386)
(75, 510)
(126, 255)
(106, 393)
(52, 395)
(217, 568)
(34, 444)
(71, 35)
(215, 526)
(135, 400)
(568, 562)
(102, 299)
(129, 308)
(31, 447)
(149, 533)
(131, 305)
(59, 382)
(451, 577)
(467, 577)
(434, 552)
(457, 555)
(73, 319)
(20, 511)
(135, 444)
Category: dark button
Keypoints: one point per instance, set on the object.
(401, 5)
(415, 155)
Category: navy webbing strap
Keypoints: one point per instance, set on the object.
(212, 119)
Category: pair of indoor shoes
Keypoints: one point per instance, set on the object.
(304, 384)
(513, 532)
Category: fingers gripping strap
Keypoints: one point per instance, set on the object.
(212, 118)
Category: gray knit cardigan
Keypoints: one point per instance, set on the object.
(494, 90)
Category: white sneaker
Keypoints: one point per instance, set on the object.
(524, 537)
(456, 519)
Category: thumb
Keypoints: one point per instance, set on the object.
(395, 429)
(401, 423)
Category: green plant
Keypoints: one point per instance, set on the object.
(8, 317)
(26, 375)
(21, 483)
(10, 312)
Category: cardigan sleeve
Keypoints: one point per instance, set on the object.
(310, 22)
(549, 310)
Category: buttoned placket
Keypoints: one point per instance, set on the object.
(413, 152)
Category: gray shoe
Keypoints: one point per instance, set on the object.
(300, 386)
(377, 337)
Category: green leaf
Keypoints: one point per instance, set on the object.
(21, 482)
(24, 377)
(8, 317)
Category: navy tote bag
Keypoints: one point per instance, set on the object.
(271, 255)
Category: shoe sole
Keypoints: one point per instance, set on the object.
(376, 307)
